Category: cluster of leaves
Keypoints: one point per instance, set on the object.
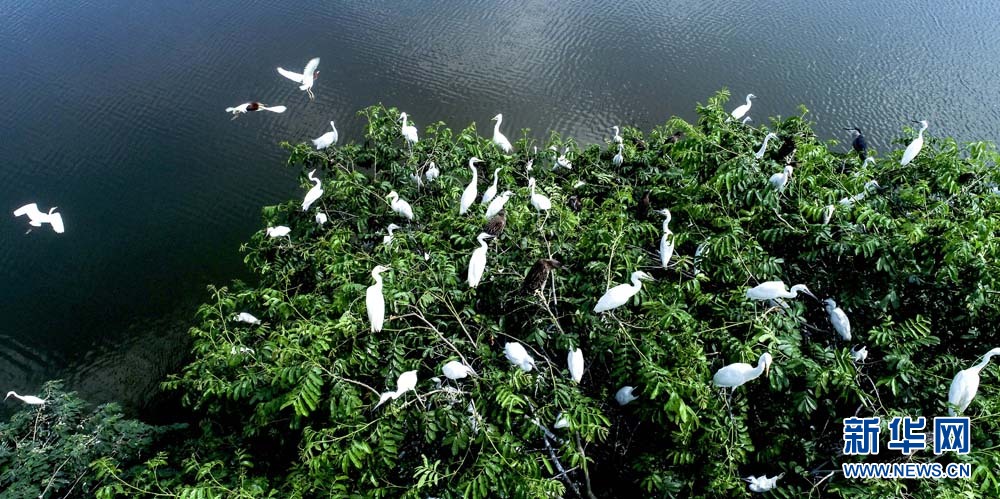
(292, 402)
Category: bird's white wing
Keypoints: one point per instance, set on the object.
(963, 390)
(297, 78)
(57, 223)
(309, 72)
(29, 209)
(275, 109)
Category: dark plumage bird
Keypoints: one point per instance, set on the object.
(496, 224)
(538, 274)
(860, 144)
(642, 209)
(574, 203)
(673, 139)
(787, 147)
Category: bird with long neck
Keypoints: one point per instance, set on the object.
(966, 384)
(760, 152)
(477, 264)
(27, 399)
(491, 191)
(735, 375)
(914, 148)
(744, 109)
(314, 194)
(498, 138)
(667, 240)
(620, 294)
(375, 301)
(469, 194)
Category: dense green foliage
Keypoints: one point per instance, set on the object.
(290, 404)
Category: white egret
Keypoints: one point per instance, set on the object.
(527, 166)
(859, 354)
(497, 204)
(387, 239)
(457, 370)
(620, 294)
(539, 201)
(327, 139)
(914, 148)
(400, 206)
(966, 384)
(561, 422)
(469, 194)
(780, 180)
(616, 137)
(870, 186)
(561, 160)
(744, 109)
(432, 173)
(498, 138)
(246, 318)
(321, 218)
(477, 264)
(374, 301)
(491, 191)
(828, 213)
(763, 147)
(253, 106)
(762, 484)
(313, 195)
(409, 131)
(776, 289)
(36, 218)
(667, 240)
(734, 375)
(278, 231)
(625, 395)
(406, 382)
(619, 158)
(839, 319)
(27, 399)
(518, 356)
(575, 362)
(306, 78)
(242, 350)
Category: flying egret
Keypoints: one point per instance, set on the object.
(744, 109)
(27, 399)
(616, 137)
(253, 106)
(497, 204)
(734, 375)
(575, 362)
(432, 173)
(498, 138)
(469, 194)
(314, 193)
(828, 213)
(374, 301)
(625, 395)
(477, 264)
(496, 224)
(539, 201)
(618, 159)
(780, 180)
(538, 275)
(306, 78)
(667, 240)
(278, 231)
(859, 144)
(400, 206)
(321, 218)
(327, 139)
(406, 382)
(247, 318)
(914, 148)
(859, 354)
(776, 289)
(387, 239)
(870, 186)
(620, 294)
(966, 384)
(491, 191)
(409, 131)
(762, 484)
(457, 370)
(763, 147)
(839, 319)
(518, 356)
(36, 218)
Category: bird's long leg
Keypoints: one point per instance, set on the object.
(311, 95)
(725, 400)
(235, 115)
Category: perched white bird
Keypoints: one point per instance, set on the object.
(859, 354)
(327, 139)
(780, 180)
(321, 218)
(966, 384)
(763, 147)
(539, 201)
(561, 160)
(278, 231)
(616, 137)
(620, 294)
(400, 206)
(744, 109)
(762, 483)
(247, 318)
(527, 166)
(477, 264)
(409, 131)
(491, 191)
(625, 395)
(374, 301)
(828, 213)
(914, 148)
(870, 186)
(406, 382)
(313, 195)
(736, 374)
(497, 204)
(498, 138)
(518, 356)
(839, 319)
(387, 239)
(561, 422)
(667, 240)
(432, 173)
(27, 399)
(36, 218)
(619, 158)
(575, 362)
(306, 78)
(253, 106)
(469, 194)
(776, 289)
(457, 370)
